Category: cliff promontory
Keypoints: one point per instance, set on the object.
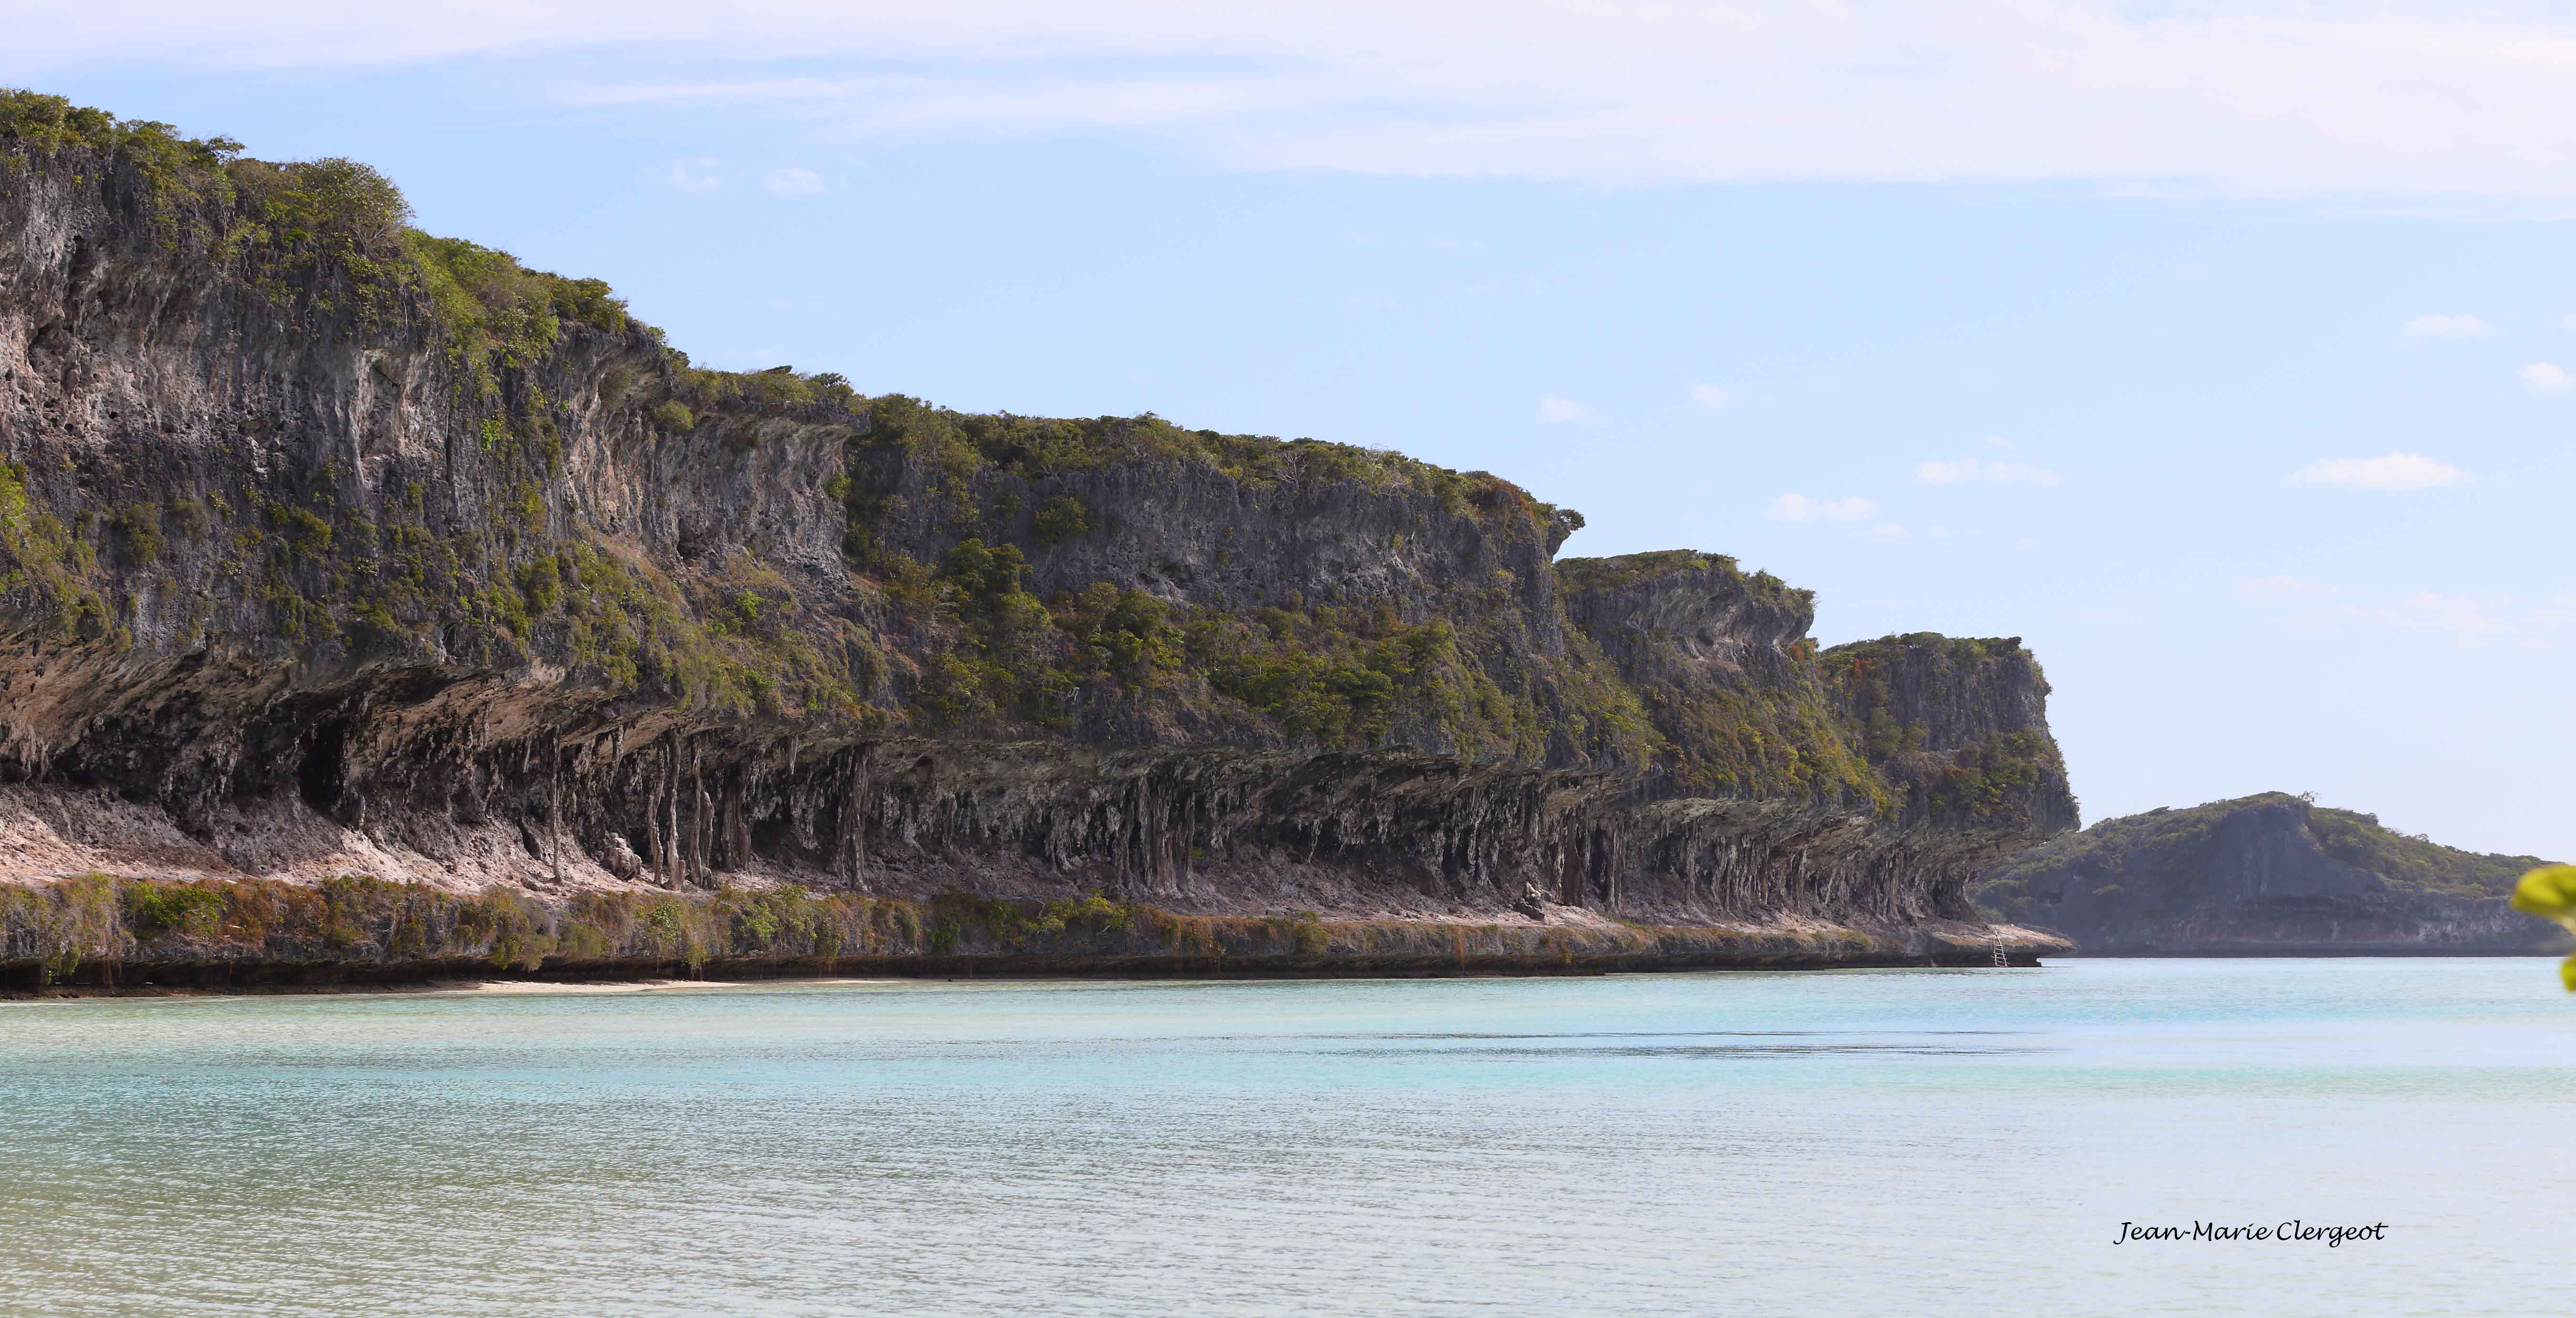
(2268, 875)
(335, 552)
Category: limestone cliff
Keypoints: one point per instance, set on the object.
(2263, 876)
(334, 548)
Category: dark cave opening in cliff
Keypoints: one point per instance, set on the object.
(317, 775)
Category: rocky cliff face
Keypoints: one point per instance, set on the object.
(333, 548)
(2265, 875)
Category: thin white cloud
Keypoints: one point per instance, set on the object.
(2411, 98)
(2396, 473)
(2548, 378)
(1709, 395)
(693, 174)
(2469, 621)
(2446, 327)
(1978, 470)
(1555, 411)
(1800, 508)
(2286, 590)
(1377, 304)
(792, 182)
(1888, 531)
(1998, 441)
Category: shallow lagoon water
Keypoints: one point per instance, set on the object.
(1927, 1142)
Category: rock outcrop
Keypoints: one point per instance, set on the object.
(328, 547)
(2269, 875)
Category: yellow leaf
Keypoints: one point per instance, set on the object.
(2549, 891)
(2567, 973)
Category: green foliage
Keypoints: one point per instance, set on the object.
(1993, 778)
(2550, 893)
(986, 580)
(52, 123)
(589, 301)
(1754, 740)
(498, 314)
(338, 205)
(190, 909)
(778, 391)
(957, 445)
(1305, 932)
(177, 171)
(1586, 575)
(138, 525)
(301, 217)
(303, 531)
(1060, 519)
(40, 556)
(1326, 675)
(673, 415)
(1121, 633)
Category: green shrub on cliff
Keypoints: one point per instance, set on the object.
(41, 557)
(191, 909)
(498, 314)
(339, 206)
(1060, 519)
(956, 446)
(1625, 570)
(52, 123)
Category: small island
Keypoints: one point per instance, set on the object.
(2267, 875)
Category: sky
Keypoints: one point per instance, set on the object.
(2227, 356)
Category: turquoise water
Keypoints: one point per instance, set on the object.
(1900, 1142)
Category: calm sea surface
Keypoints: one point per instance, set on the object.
(1882, 1142)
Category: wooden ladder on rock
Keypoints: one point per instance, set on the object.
(2002, 962)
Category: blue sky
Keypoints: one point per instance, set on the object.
(2224, 356)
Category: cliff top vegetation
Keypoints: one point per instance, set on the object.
(1625, 570)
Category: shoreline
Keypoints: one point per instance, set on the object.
(99, 933)
(239, 978)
